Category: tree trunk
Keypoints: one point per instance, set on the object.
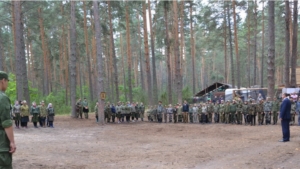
(140, 52)
(112, 48)
(294, 45)
(1, 53)
(225, 46)
(128, 52)
(150, 99)
(255, 43)
(262, 47)
(248, 45)
(168, 53)
(192, 47)
(123, 66)
(72, 64)
(287, 45)
(236, 47)
(155, 96)
(18, 49)
(271, 50)
(45, 54)
(100, 83)
(87, 52)
(177, 54)
(183, 60)
(231, 50)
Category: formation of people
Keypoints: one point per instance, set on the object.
(21, 114)
(250, 112)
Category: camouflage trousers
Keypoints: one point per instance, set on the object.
(268, 117)
(209, 116)
(191, 117)
(232, 118)
(275, 117)
(108, 116)
(222, 118)
(227, 115)
(180, 118)
(165, 117)
(216, 117)
(86, 115)
(293, 115)
(170, 115)
(5, 160)
(175, 117)
(239, 118)
(79, 113)
(260, 118)
(195, 117)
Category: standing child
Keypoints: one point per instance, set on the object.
(51, 114)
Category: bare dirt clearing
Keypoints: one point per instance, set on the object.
(76, 143)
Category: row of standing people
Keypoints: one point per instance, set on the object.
(122, 112)
(21, 114)
(233, 112)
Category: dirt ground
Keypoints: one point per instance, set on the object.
(83, 144)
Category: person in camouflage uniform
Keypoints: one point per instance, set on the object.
(170, 111)
(239, 110)
(216, 112)
(165, 113)
(24, 114)
(210, 110)
(222, 110)
(160, 111)
(260, 112)
(191, 115)
(175, 111)
(141, 109)
(199, 112)
(35, 112)
(79, 108)
(113, 113)
(298, 110)
(293, 112)
(43, 114)
(96, 112)
(252, 113)
(195, 113)
(50, 115)
(133, 112)
(16, 114)
(267, 110)
(232, 117)
(179, 112)
(85, 108)
(245, 109)
(7, 141)
(275, 110)
(118, 111)
(107, 112)
(204, 114)
(227, 112)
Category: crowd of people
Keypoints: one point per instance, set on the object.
(250, 112)
(21, 114)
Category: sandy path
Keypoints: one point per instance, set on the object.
(84, 144)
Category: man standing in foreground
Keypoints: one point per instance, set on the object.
(7, 141)
(285, 117)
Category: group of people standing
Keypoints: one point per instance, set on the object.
(122, 112)
(38, 113)
(249, 112)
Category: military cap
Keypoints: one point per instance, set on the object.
(3, 75)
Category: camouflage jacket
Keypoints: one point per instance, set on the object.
(245, 108)
(276, 106)
(239, 106)
(259, 108)
(216, 108)
(268, 106)
(233, 108)
(252, 109)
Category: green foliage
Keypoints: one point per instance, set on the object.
(186, 93)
